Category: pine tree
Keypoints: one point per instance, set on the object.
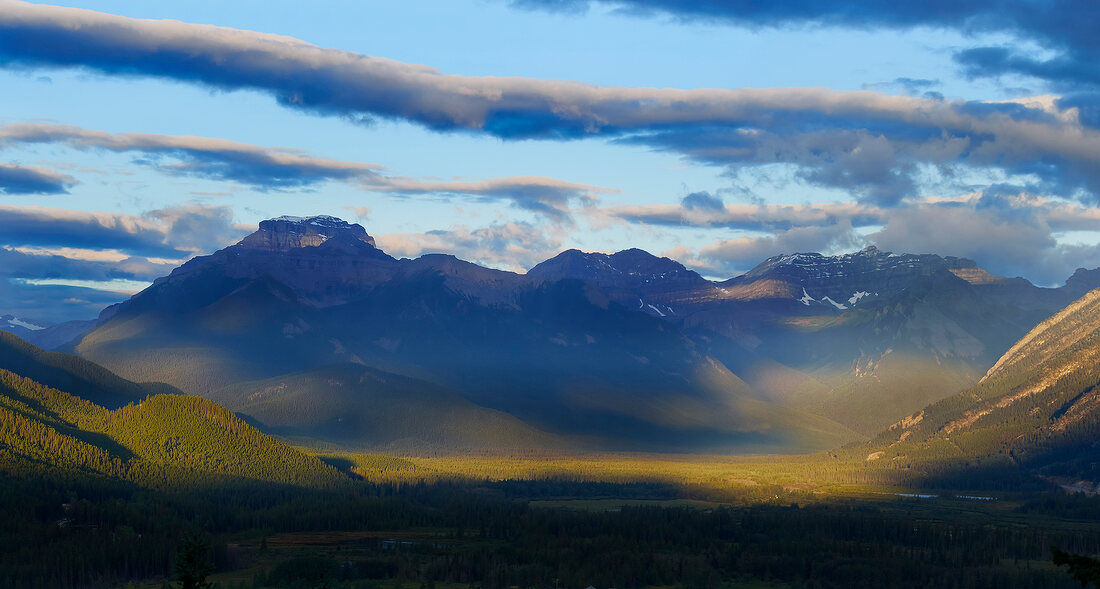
(193, 563)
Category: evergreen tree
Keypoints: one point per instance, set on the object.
(193, 563)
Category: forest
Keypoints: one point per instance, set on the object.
(64, 531)
(177, 491)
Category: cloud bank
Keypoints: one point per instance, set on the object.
(1006, 229)
(1065, 28)
(273, 168)
(870, 144)
(16, 179)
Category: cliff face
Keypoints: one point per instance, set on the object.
(287, 233)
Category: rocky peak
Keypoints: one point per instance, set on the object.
(632, 262)
(632, 277)
(848, 280)
(1083, 280)
(288, 233)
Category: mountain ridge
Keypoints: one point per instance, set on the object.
(641, 335)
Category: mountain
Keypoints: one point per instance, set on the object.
(870, 336)
(1037, 410)
(634, 349)
(562, 356)
(633, 278)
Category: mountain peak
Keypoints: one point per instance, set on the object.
(287, 233)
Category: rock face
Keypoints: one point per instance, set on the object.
(284, 234)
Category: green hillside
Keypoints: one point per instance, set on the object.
(1036, 411)
(164, 441)
(73, 374)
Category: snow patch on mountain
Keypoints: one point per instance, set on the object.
(13, 321)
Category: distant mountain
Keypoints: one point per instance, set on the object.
(633, 349)
(1037, 410)
(47, 336)
(562, 356)
(633, 278)
(20, 327)
(870, 333)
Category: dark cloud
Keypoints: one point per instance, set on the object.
(45, 227)
(82, 256)
(23, 266)
(1065, 28)
(865, 142)
(259, 167)
(755, 217)
(702, 201)
(16, 179)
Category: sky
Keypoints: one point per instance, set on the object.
(135, 135)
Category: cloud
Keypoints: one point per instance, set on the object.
(54, 303)
(702, 201)
(170, 233)
(548, 196)
(58, 250)
(1065, 29)
(271, 168)
(751, 217)
(508, 246)
(731, 257)
(361, 213)
(219, 159)
(1007, 234)
(1007, 229)
(16, 179)
(869, 143)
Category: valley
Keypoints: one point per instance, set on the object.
(315, 412)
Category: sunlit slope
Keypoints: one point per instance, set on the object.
(71, 373)
(356, 406)
(1037, 408)
(163, 441)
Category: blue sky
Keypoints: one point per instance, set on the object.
(505, 132)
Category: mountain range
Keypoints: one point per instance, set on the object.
(307, 328)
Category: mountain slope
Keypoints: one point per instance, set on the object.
(1037, 409)
(164, 441)
(356, 406)
(72, 373)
